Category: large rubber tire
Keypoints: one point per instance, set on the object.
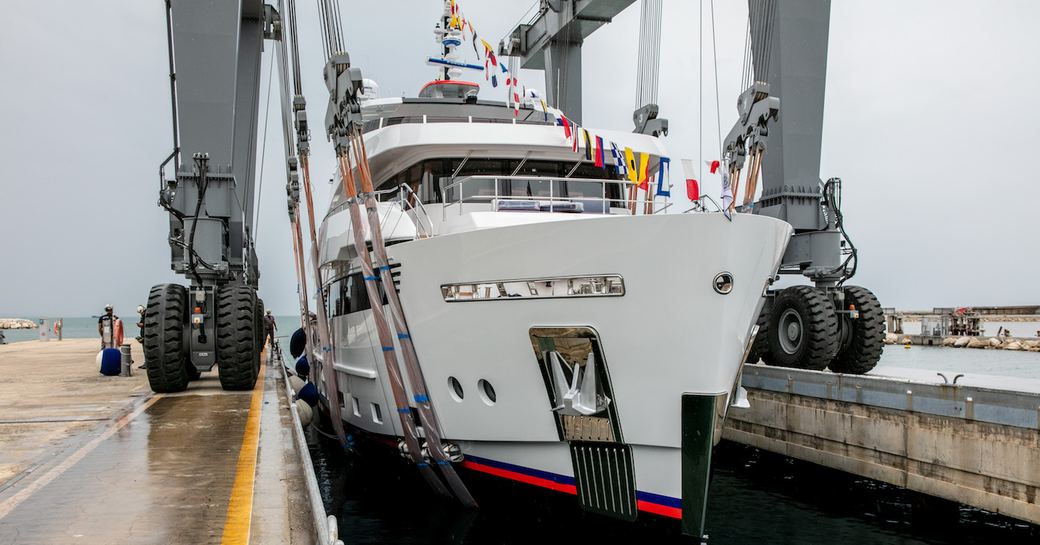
(803, 330)
(238, 358)
(760, 347)
(866, 341)
(165, 321)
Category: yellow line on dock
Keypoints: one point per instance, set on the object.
(10, 503)
(240, 506)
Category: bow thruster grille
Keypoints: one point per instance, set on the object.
(605, 481)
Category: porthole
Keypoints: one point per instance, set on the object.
(723, 283)
(455, 389)
(487, 392)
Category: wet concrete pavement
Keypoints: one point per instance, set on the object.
(51, 395)
(164, 469)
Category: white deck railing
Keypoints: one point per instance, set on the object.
(545, 194)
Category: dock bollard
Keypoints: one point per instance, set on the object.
(126, 361)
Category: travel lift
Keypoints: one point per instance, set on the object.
(810, 327)
(214, 55)
(214, 91)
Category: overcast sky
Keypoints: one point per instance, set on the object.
(929, 119)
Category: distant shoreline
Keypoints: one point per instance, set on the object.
(1011, 318)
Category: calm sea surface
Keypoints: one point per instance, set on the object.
(84, 328)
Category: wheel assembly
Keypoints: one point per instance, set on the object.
(238, 356)
(863, 336)
(802, 329)
(165, 357)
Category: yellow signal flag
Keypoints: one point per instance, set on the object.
(644, 167)
(630, 163)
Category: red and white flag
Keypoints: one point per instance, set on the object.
(693, 187)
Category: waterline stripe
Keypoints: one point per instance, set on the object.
(645, 501)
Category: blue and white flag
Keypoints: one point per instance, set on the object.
(619, 160)
(664, 173)
(727, 195)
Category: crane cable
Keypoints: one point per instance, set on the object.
(649, 56)
(715, 63)
(263, 153)
(700, 90)
(324, 333)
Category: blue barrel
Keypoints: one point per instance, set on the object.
(309, 394)
(111, 362)
(303, 367)
(297, 343)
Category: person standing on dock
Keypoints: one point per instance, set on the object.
(106, 327)
(269, 327)
(140, 324)
(140, 328)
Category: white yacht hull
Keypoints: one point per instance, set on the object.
(671, 333)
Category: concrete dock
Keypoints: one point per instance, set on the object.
(976, 442)
(91, 459)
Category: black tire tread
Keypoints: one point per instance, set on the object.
(821, 329)
(760, 346)
(165, 358)
(237, 353)
(868, 334)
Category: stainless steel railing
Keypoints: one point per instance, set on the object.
(547, 194)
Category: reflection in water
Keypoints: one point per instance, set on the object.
(756, 497)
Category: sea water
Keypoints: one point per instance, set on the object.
(73, 328)
(86, 328)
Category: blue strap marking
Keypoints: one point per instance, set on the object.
(422, 398)
(388, 349)
(384, 268)
(371, 278)
(422, 464)
(403, 336)
(404, 410)
(442, 462)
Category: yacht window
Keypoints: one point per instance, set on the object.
(448, 89)
(348, 294)
(446, 119)
(430, 177)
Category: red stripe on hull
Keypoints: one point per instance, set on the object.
(513, 475)
(658, 509)
(642, 505)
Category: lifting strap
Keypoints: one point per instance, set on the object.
(393, 371)
(411, 359)
(328, 358)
